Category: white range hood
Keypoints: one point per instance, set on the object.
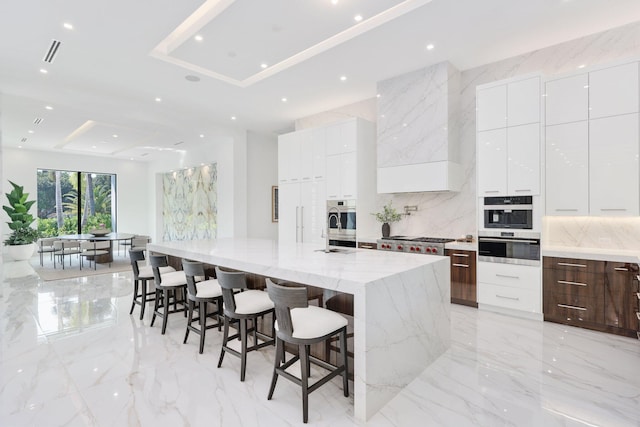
(417, 144)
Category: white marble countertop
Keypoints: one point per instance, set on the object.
(596, 254)
(302, 263)
(462, 246)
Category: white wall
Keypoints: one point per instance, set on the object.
(21, 166)
(262, 174)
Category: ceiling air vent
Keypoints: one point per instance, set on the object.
(144, 154)
(37, 121)
(179, 143)
(53, 50)
(23, 140)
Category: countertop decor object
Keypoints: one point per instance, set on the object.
(100, 232)
(22, 237)
(389, 214)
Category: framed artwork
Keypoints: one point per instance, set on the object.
(274, 203)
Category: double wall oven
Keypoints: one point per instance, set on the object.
(507, 236)
(341, 221)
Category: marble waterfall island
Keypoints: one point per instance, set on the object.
(401, 302)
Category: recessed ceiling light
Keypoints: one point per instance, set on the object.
(357, 18)
(67, 26)
(30, 131)
(378, 95)
(343, 78)
(198, 38)
(93, 146)
(284, 99)
(131, 158)
(19, 146)
(582, 66)
(158, 99)
(43, 71)
(192, 78)
(263, 65)
(49, 107)
(201, 135)
(334, 1)
(115, 135)
(430, 46)
(233, 117)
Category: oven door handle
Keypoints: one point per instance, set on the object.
(507, 240)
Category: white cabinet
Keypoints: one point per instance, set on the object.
(613, 91)
(613, 166)
(342, 137)
(516, 287)
(491, 105)
(492, 162)
(508, 154)
(523, 102)
(301, 156)
(567, 99)
(567, 169)
(318, 148)
(342, 176)
(289, 158)
(301, 210)
(523, 152)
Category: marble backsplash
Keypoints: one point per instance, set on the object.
(592, 232)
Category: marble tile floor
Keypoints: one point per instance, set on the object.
(70, 355)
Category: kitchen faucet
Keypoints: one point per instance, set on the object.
(331, 213)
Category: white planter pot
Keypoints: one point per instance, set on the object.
(21, 252)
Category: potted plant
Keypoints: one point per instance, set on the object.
(388, 215)
(22, 237)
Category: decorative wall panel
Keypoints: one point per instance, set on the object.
(190, 203)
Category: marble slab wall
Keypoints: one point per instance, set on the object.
(190, 201)
(592, 232)
(455, 214)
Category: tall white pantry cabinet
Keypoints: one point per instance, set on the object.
(331, 162)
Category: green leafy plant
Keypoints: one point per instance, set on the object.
(389, 214)
(21, 219)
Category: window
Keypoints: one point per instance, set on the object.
(75, 202)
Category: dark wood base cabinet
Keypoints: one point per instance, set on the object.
(463, 277)
(599, 295)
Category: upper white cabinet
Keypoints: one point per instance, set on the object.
(613, 166)
(523, 153)
(343, 176)
(301, 156)
(592, 143)
(523, 102)
(613, 91)
(289, 148)
(341, 138)
(567, 169)
(508, 138)
(567, 99)
(492, 162)
(491, 104)
(318, 149)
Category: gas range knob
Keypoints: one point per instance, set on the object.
(399, 247)
(434, 250)
(428, 250)
(412, 249)
(418, 249)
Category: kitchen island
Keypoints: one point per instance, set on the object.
(401, 302)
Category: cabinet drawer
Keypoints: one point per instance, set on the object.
(516, 276)
(575, 310)
(573, 283)
(509, 297)
(573, 264)
(366, 245)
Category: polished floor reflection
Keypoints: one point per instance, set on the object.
(70, 355)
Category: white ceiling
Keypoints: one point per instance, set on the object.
(123, 54)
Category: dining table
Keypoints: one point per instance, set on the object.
(110, 237)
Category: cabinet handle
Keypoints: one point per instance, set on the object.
(573, 307)
(348, 195)
(294, 179)
(506, 276)
(505, 297)
(461, 265)
(522, 190)
(491, 191)
(568, 264)
(297, 223)
(564, 282)
(638, 295)
(306, 178)
(613, 209)
(333, 195)
(318, 176)
(638, 315)
(301, 224)
(566, 210)
(366, 246)
(621, 269)
(463, 255)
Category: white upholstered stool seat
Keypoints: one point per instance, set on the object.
(146, 271)
(252, 301)
(172, 279)
(208, 289)
(313, 322)
(170, 287)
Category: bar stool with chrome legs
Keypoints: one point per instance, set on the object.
(168, 285)
(201, 292)
(241, 307)
(303, 325)
(142, 274)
